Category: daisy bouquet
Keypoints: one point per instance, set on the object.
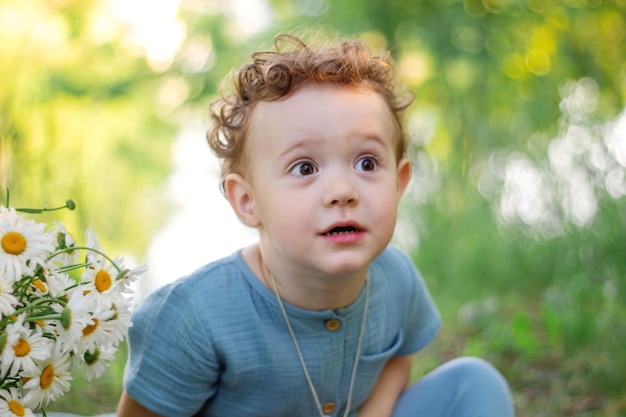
(63, 306)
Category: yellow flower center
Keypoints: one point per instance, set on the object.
(90, 328)
(103, 281)
(39, 285)
(16, 408)
(13, 243)
(21, 348)
(47, 377)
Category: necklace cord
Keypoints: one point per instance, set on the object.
(300, 356)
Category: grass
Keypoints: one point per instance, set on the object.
(547, 377)
(545, 386)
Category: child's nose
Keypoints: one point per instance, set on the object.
(340, 191)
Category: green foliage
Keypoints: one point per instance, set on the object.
(78, 119)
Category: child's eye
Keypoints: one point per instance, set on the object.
(303, 169)
(367, 163)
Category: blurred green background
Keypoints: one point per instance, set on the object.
(517, 211)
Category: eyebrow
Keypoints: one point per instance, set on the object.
(376, 138)
(301, 144)
(309, 143)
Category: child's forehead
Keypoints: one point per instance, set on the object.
(322, 108)
(317, 112)
(361, 98)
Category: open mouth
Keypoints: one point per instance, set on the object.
(342, 230)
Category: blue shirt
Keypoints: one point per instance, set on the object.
(215, 343)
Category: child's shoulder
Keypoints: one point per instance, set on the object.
(216, 281)
(395, 269)
(221, 269)
(393, 257)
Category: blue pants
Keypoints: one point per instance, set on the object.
(463, 387)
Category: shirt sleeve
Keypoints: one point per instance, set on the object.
(172, 369)
(422, 321)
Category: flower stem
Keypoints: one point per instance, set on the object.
(69, 204)
(68, 268)
(46, 317)
(35, 305)
(73, 248)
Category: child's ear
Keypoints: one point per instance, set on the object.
(405, 170)
(239, 194)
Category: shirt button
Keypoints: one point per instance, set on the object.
(328, 407)
(332, 325)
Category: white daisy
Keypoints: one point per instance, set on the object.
(58, 283)
(11, 404)
(95, 360)
(99, 331)
(100, 284)
(7, 299)
(10, 335)
(65, 240)
(74, 317)
(48, 381)
(38, 288)
(47, 328)
(25, 348)
(130, 277)
(92, 239)
(23, 244)
(120, 322)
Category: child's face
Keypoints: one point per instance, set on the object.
(323, 181)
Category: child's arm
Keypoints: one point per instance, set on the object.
(392, 381)
(128, 407)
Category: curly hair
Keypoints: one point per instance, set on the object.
(274, 75)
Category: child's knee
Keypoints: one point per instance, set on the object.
(473, 366)
(480, 386)
(480, 382)
(475, 371)
(464, 386)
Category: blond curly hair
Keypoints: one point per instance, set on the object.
(274, 75)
